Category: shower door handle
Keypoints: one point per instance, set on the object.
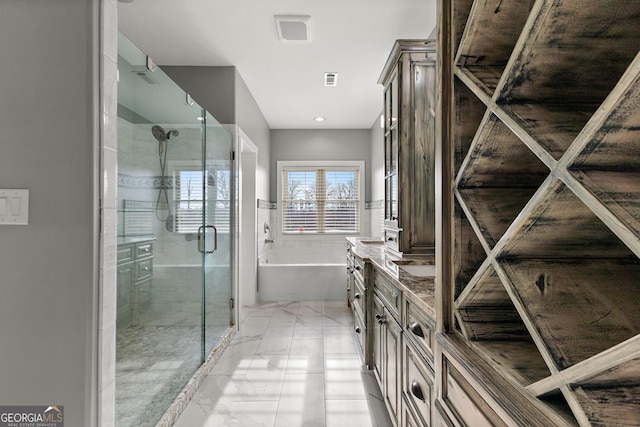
(201, 229)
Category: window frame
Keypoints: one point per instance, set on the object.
(314, 165)
(177, 166)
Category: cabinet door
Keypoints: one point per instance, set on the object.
(376, 337)
(392, 331)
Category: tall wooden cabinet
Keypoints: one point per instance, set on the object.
(543, 186)
(409, 79)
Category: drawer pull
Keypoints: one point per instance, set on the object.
(416, 390)
(416, 329)
(357, 296)
(357, 329)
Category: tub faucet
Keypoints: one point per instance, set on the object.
(268, 240)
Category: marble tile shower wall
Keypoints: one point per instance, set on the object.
(139, 180)
(177, 291)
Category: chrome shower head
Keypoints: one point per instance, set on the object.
(159, 133)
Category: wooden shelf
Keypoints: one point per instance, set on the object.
(609, 164)
(573, 45)
(470, 253)
(492, 30)
(520, 360)
(494, 209)
(546, 198)
(575, 306)
(612, 406)
(561, 226)
(625, 374)
(468, 116)
(559, 404)
(499, 159)
(553, 126)
(489, 319)
(462, 8)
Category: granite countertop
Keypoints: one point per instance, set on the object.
(419, 289)
(135, 239)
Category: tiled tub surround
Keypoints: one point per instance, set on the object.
(291, 364)
(302, 274)
(289, 279)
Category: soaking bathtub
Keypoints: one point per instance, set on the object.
(301, 278)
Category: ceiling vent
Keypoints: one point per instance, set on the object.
(330, 79)
(293, 28)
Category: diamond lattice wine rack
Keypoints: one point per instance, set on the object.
(546, 131)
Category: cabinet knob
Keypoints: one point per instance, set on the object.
(358, 267)
(378, 316)
(416, 390)
(416, 329)
(382, 320)
(357, 296)
(357, 329)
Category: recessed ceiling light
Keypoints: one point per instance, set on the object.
(319, 119)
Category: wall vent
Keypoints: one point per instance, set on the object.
(330, 79)
(293, 27)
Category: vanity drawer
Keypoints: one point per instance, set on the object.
(358, 269)
(126, 253)
(417, 384)
(419, 329)
(389, 293)
(359, 333)
(144, 269)
(144, 250)
(359, 295)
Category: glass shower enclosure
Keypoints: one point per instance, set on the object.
(175, 228)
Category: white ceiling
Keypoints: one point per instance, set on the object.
(350, 37)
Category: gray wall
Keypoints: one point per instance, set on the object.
(312, 144)
(49, 144)
(224, 94)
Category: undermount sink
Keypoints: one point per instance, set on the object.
(371, 242)
(419, 270)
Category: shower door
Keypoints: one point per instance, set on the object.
(217, 232)
(174, 228)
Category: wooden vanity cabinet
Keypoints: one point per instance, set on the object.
(387, 357)
(543, 188)
(359, 290)
(134, 280)
(409, 81)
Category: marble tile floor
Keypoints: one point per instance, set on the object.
(291, 364)
(153, 364)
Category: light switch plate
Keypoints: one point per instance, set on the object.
(14, 207)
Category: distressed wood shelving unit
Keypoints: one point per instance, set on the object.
(546, 200)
